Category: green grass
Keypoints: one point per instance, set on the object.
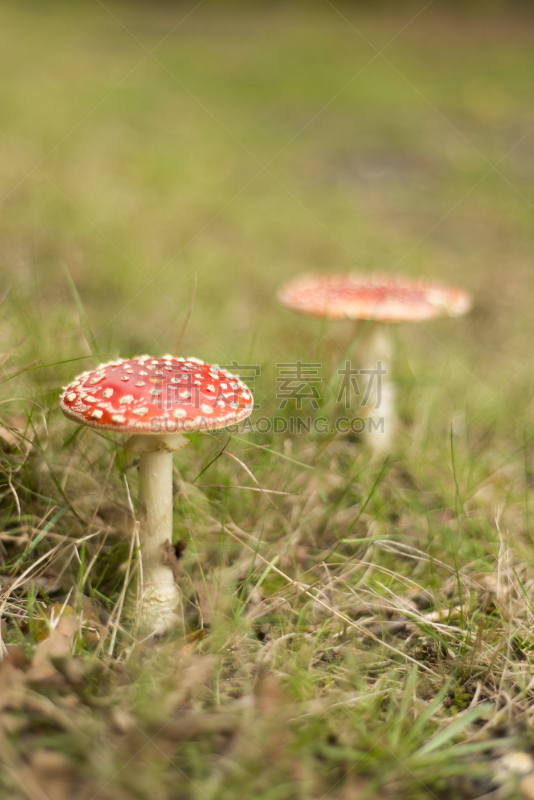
(368, 634)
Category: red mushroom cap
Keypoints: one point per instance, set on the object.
(361, 296)
(157, 395)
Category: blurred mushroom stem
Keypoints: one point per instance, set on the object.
(376, 356)
(160, 597)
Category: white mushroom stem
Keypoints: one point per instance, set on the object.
(379, 411)
(160, 597)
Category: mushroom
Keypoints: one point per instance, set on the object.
(156, 400)
(381, 300)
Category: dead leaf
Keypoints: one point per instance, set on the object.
(47, 618)
(12, 679)
(57, 645)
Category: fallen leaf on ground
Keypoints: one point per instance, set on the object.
(57, 645)
(47, 619)
(12, 678)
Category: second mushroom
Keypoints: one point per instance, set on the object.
(379, 301)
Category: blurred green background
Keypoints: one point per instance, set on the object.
(145, 145)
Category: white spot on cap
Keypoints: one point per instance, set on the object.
(97, 413)
(71, 396)
(179, 413)
(140, 412)
(124, 378)
(206, 408)
(210, 388)
(185, 395)
(128, 398)
(118, 418)
(91, 399)
(107, 392)
(142, 372)
(140, 383)
(97, 378)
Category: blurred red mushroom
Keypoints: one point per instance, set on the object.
(156, 400)
(381, 300)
